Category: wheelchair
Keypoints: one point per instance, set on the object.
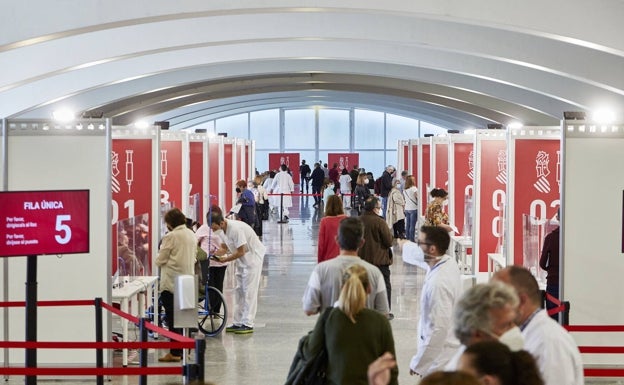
(212, 315)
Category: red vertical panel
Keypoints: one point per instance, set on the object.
(406, 164)
(196, 173)
(464, 176)
(213, 166)
(227, 178)
(441, 166)
(426, 176)
(493, 184)
(132, 194)
(415, 161)
(536, 186)
(171, 172)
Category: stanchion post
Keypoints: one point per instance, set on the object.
(99, 337)
(143, 351)
(282, 220)
(31, 315)
(565, 314)
(200, 350)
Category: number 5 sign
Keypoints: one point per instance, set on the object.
(44, 222)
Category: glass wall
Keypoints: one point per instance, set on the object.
(314, 132)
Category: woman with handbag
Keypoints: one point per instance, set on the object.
(353, 335)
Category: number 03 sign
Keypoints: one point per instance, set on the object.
(44, 222)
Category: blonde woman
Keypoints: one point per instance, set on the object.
(353, 335)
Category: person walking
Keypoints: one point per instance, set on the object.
(386, 186)
(361, 192)
(176, 257)
(318, 177)
(395, 214)
(327, 247)
(345, 188)
(304, 176)
(410, 195)
(283, 184)
(376, 249)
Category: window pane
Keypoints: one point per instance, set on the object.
(299, 129)
(262, 160)
(265, 128)
(399, 128)
(334, 129)
(428, 128)
(373, 161)
(235, 126)
(391, 158)
(369, 129)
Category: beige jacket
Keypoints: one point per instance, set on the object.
(176, 256)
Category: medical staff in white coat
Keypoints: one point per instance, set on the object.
(241, 244)
(283, 183)
(436, 341)
(555, 352)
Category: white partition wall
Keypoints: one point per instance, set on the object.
(424, 173)
(251, 158)
(592, 252)
(413, 154)
(45, 156)
(490, 163)
(403, 156)
(533, 192)
(461, 179)
(216, 172)
(229, 169)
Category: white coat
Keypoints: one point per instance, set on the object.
(556, 353)
(436, 341)
(283, 183)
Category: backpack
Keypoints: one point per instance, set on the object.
(378, 186)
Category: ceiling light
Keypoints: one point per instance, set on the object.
(515, 124)
(63, 115)
(142, 124)
(603, 116)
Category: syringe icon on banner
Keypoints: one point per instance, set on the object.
(471, 165)
(115, 171)
(129, 169)
(559, 169)
(163, 166)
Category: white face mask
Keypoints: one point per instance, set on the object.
(365, 181)
(331, 186)
(513, 338)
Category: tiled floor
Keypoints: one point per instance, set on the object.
(265, 356)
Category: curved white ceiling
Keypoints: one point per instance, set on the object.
(456, 64)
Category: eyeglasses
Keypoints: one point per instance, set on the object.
(423, 243)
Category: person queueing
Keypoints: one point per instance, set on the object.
(549, 261)
(327, 247)
(247, 200)
(175, 257)
(361, 192)
(241, 244)
(353, 335)
(435, 214)
(410, 195)
(345, 188)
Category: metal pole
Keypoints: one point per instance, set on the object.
(31, 315)
(99, 334)
(143, 352)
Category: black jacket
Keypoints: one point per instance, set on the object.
(318, 176)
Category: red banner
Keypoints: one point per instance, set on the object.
(415, 164)
(426, 177)
(441, 165)
(171, 172)
(131, 165)
(492, 187)
(196, 176)
(463, 171)
(406, 166)
(213, 166)
(345, 160)
(290, 159)
(536, 184)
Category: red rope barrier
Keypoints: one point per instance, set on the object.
(77, 302)
(604, 372)
(98, 345)
(594, 328)
(119, 371)
(602, 349)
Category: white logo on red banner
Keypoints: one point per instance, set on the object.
(541, 167)
(129, 169)
(502, 167)
(115, 171)
(163, 166)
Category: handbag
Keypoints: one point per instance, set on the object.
(309, 370)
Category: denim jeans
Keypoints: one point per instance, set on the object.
(411, 217)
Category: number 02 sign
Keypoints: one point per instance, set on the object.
(44, 222)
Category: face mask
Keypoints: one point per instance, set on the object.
(238, 190)
(365, 181)
(218, 232)
(331, 186)
(513, 338)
